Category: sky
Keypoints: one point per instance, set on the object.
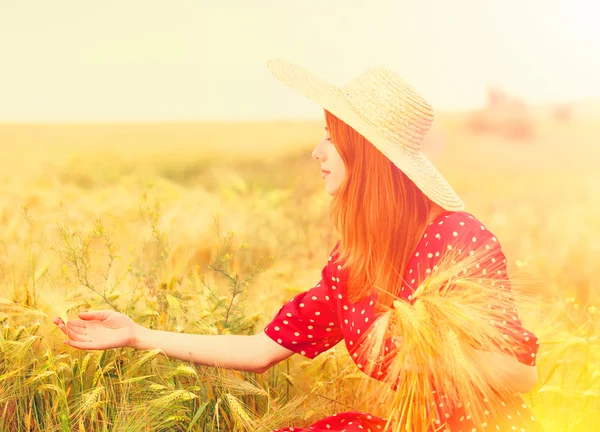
(184, 60)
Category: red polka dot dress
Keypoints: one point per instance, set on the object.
(316, 320)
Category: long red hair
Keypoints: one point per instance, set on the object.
(379, 214)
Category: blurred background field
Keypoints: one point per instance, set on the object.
(131, 216)
(150, 163)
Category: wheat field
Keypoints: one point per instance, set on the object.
(209, 228)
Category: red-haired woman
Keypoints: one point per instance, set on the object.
(397, 218)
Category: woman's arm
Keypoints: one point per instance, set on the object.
(253, 353)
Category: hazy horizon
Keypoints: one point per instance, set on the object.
(191, 61)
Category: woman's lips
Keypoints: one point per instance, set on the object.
(325, 173)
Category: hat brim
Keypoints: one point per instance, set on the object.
(330, 97)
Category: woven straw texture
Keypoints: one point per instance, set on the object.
(387, 111)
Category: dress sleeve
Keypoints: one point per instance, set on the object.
(308, 324)
(464, 234)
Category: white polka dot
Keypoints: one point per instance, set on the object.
(277, 328)
(279, 340)
(314, 297)
(455, 234)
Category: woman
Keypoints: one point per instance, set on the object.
(389, 205)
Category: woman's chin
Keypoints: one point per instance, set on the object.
(331, 191)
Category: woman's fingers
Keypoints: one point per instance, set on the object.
(76, 329)
(80, 337)
(94, 315)
(63, 328)
(77, 323)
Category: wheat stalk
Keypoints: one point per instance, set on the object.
(455, 312)
(239, 411)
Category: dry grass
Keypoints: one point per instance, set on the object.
(132, 226)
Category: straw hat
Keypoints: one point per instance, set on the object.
(387, 111)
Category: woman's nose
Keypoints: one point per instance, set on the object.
(314, 154)
(317, 153)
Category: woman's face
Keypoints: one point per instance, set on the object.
(332, 166)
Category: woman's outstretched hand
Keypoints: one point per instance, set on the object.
(98, 330)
